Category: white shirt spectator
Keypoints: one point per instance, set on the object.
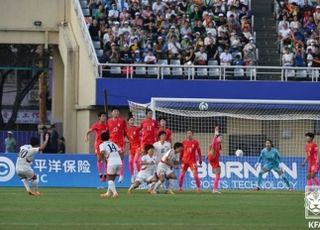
(285, 33)
(124, 29)
(287, 59)
(309, 59)
(150, 58)
(113, 13)
(158, 7)
(200, 57)
(282, 23)
(174, 48)
(225, 58)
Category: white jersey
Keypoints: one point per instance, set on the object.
(112, 153)
(150, 168)
(170, 156)
(25, 156)
(161, 149)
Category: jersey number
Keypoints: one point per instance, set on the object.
(23, 153)
(112, 148)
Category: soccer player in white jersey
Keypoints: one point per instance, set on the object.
(148, 169)
(162, 146)
(112, 153)
(24, 161)
(166, 165)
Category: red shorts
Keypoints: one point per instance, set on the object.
(313, 168)
(191, 165)
(214, 162)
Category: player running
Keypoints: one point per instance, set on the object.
(99, 127)
(117, 127)
(163, 127)
(312, 159)
(270, 158)
(149, 129)
(113, 155)
(191, 147)
(165, 167)
(148, 169)
(213, 159)
(133, 135)
(24, 161)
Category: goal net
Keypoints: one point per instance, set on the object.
(244, 125)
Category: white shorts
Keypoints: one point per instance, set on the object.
(26, 173)
(144, 177)
(113, 169)
(164, 169)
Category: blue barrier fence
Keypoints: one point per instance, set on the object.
(78, 170)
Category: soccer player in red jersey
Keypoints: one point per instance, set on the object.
(117, 128)
(149, 130)
(99, 127)
(133, 135)
(312, 159)
(163, 127)
(213, 158)
(191, 147)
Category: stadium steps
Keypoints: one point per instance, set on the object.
(265, 27)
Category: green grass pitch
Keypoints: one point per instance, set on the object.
(84, 209)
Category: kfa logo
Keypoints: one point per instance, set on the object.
(312, 202)
(7, 169)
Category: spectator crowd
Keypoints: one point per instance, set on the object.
(191, 31)
(299, 32)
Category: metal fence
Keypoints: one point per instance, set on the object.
(214, 72)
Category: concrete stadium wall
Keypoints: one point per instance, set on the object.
(73, 73)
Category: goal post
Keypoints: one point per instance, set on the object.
(245, 124)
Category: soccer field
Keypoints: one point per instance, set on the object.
(84, 209)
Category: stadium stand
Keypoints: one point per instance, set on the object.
(164, 32)
(299, 32)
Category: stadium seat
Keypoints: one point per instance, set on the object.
(213, 72)
(176, 71)
(238, 72)
(96, 44)
(165, 70)
(99, 52)
(301, 74)
(115, 70)
(152, 71)
(140, 70)
(86, 12)
(202, 72)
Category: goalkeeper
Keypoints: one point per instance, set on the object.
(270, 160)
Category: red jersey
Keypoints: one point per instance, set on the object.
(133, 135)
(168, 133)
(216, 146)
(149, 128)
(117, 128)
(98, 128)
(312, 153)
(190, 148)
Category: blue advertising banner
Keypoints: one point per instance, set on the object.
(78, 170)
(141, 90)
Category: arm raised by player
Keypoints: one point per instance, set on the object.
(44, 144)
(199, 153)
(86, 138)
